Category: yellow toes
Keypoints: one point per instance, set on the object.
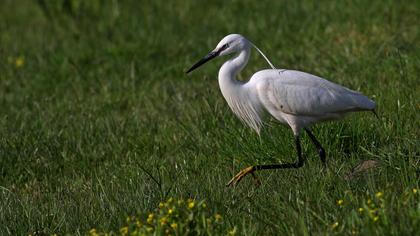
(238, 177)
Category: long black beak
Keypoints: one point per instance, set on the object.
(207, 58)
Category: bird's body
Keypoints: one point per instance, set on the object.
(294, 98)
(284, 95)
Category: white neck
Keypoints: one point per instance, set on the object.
(230, 69)
(236, 94)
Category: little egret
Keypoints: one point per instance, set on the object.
(294, 98)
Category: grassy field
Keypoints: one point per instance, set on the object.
(98, 120)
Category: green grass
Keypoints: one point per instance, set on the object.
(100, 121)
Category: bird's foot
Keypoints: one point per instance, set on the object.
(238, 177)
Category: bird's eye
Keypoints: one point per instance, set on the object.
(222, 48)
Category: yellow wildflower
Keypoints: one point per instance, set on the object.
(361, 210)
(19, 62)
(415, 190)
(232, 232)
(174, 225)
(191, 205)
(204, 205)
(369, 201)
(340, 202)
(150, 218)
(376, 218)
(93, 232)
(170, 200)
(161, 205)
(124, 230)
(170, 211)
(138, 224)
(218, 217)
(335, 225)
(149, 229)
(379, 194)
(163, 221)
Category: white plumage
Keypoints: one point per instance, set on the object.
(294, 98)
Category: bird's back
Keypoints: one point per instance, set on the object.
(303, 94)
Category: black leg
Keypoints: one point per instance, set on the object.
(317, 145)
(250, 170)
(299, 163)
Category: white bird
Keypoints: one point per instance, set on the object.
(294, 98)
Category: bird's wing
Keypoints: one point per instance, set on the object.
(300, 93)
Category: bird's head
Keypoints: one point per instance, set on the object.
(229, 44)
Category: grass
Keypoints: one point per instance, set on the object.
(99, 122)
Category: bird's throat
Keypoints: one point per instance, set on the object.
(230, 69)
